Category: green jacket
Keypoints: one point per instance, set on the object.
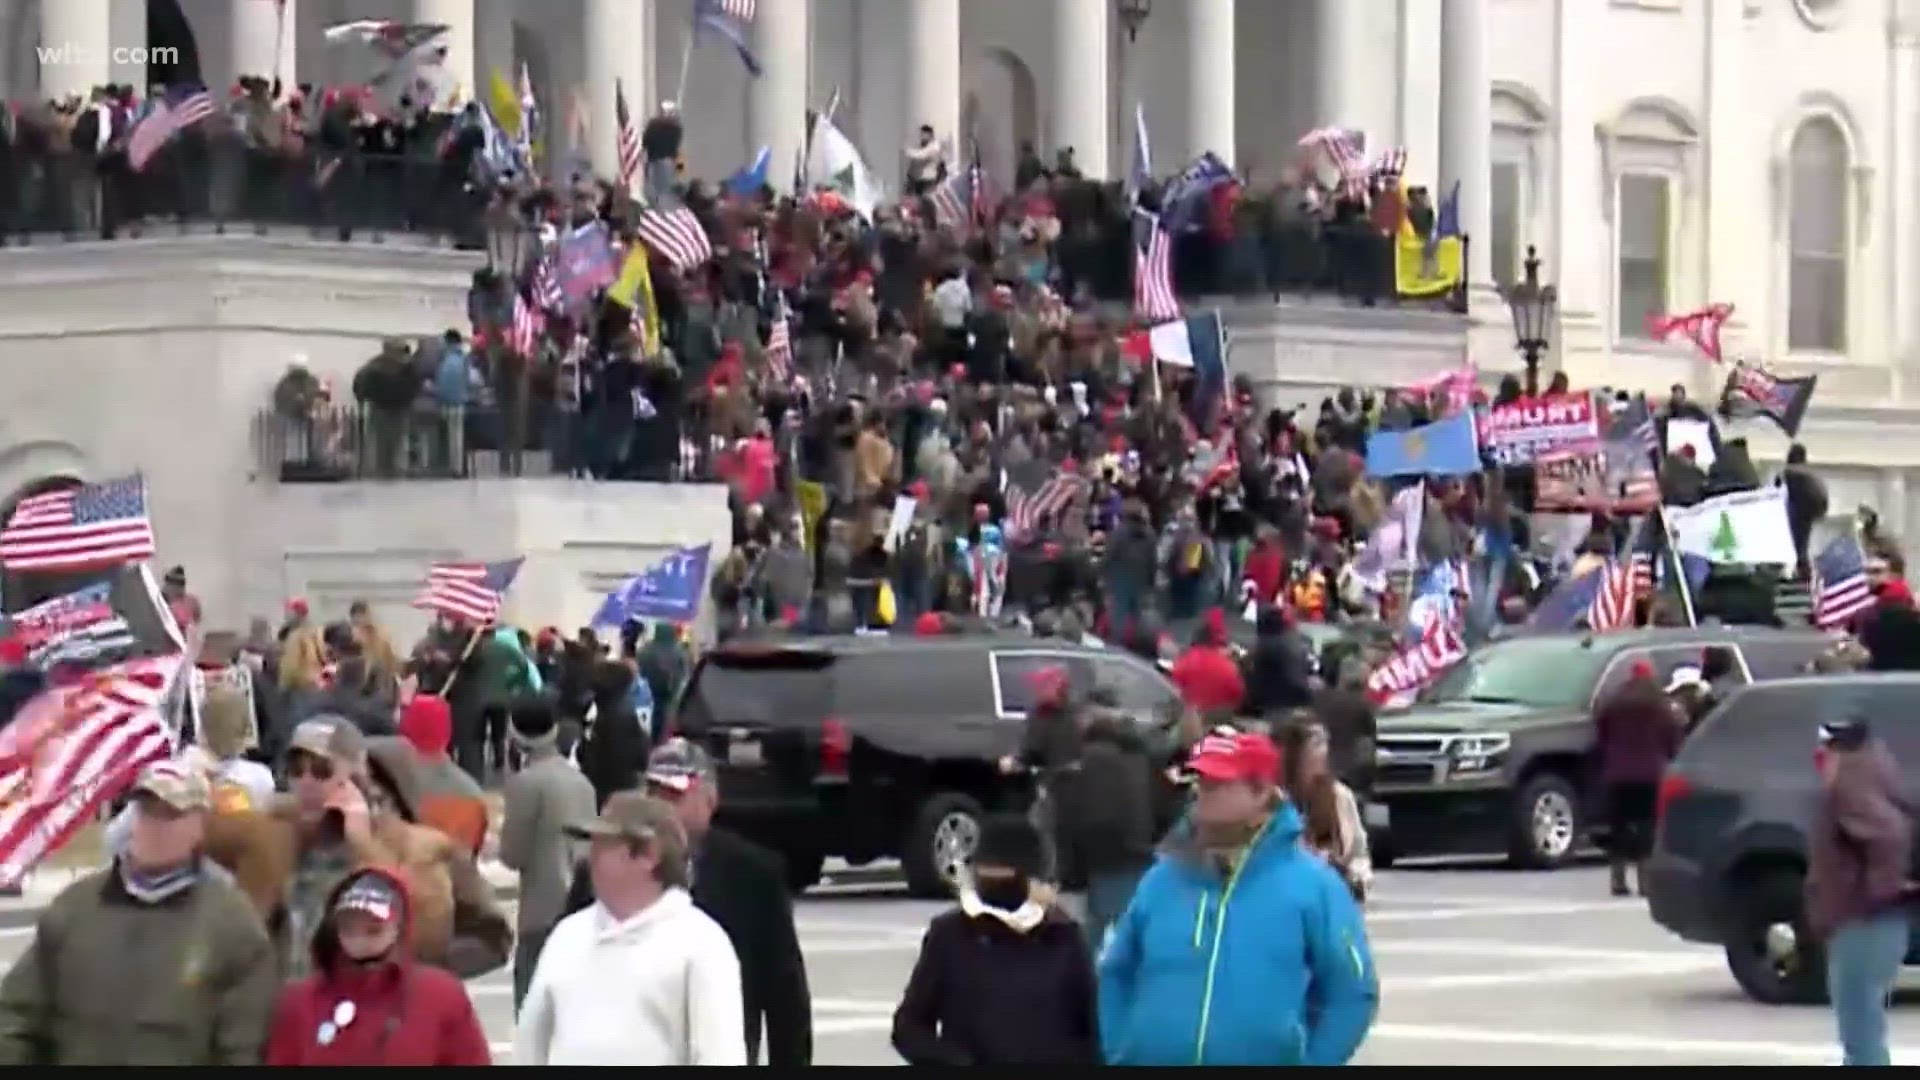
(110, 980)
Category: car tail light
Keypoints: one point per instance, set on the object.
(836, 749)
(1672, 786)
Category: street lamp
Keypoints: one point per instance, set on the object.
(1532, 305)
(1133, 15)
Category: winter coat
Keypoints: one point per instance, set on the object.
(403, 1012)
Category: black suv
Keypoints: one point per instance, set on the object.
(1494, 756)
(1730, 854)
(871, 747)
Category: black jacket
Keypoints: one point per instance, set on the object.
(743, 887)
(1106, 814)
(983, 993)
(1282, 669)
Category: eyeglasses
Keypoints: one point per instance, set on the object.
(304, 764)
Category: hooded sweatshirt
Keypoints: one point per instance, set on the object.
(661, 987)
(449, 799)
(397, 1011)
(1268, 965)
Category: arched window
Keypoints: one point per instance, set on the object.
(1817, 238)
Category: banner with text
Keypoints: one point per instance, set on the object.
(1520, 432)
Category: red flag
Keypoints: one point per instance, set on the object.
(1701, 327)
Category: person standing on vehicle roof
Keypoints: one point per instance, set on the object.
(1858, 883)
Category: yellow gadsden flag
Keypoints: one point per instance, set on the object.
(1423, 269)
(633, 290)
(503, 103)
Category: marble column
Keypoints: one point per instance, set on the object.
(1078, 85)
(128, 30)
(1340, 30)
(458, 83)
(1210, 87)
(1466, 127)
(608, 32)
(75, 39)
(258, 41)
(777, 101)
(933, 72)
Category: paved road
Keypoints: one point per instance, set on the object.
(1480, 966)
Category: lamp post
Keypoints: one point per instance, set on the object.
(1533, 306)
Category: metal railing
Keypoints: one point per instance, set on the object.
(335, 444)
(224, 183)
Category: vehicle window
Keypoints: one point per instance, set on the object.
(1134, 688)
(1773, 723)
(1016, 670)
(1665, 660)
(1538, 672)
(776, 689)
(1780, 659)
(934, 684)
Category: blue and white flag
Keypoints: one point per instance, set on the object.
(669, 589)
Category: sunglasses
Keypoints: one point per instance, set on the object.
(304, 764)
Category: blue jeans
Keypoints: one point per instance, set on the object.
(1108, 894)
(1863, 959)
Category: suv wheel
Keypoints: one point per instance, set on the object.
(1546, 822)
(941, 844)
(1770, 951)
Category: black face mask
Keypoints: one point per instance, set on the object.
(1006, 894)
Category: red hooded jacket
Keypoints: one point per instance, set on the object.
(1208, 679)
(404, 1012)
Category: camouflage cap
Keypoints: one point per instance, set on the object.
(633, 815)
(180, 785)
(678, 765)
(332, 737)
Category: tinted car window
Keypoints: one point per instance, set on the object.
(1134, 688)
(1665, 660)
(914, 683)
(1770, 659)
(1539, 672)
(1773, 722)
(1016, 671)
(772, 690)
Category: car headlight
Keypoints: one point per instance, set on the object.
(1479, 753)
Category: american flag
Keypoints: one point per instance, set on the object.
(547, 294)
(165, 121)
(80, 528)
(1347, 149)
(1643, 574)
(523, 337)
(779, 351)
(629, 139)
(1391, 165)
(1028, 512)
(677, 235)
(71, 750)
(1840, 587)
(78, 628)
(468, 590)
(1612, 606)
(1153, 298)
(953, 200)
(736, 9)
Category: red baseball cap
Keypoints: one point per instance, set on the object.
(1237, 756)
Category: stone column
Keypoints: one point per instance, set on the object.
(933, 74)
(1337, 101)
(1209, 32)
(1466, 126)
(1078, 85)
(609, 29)
(777, 101)
(127, 30)
(75, 36)
(460, 82)
(258, 43)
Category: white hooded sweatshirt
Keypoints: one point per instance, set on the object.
(661, 988)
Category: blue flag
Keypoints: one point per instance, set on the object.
(731, 20)
(1447, 447)
(1184, 204)
(1569, 601)
(669, 589)
(747, 183)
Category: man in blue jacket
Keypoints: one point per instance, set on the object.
(1241, 947)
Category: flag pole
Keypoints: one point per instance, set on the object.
(686, 62)
(1679, 568)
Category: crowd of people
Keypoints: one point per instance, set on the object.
(926, 422)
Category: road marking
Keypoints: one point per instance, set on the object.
(1810, 1053)
(1510, 911)
(1669, 966)
(1493, 949)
